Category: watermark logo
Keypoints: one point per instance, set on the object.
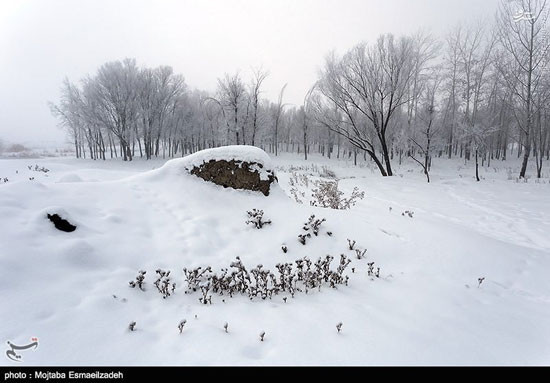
(12, 352)
(522, 15)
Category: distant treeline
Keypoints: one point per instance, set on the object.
(481, 93)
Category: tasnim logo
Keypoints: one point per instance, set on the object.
(521, 15)
(12, 352)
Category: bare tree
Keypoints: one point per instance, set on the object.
(451, 64)
(233, 97)
(113, 93)
(476, 52)
(276, 111)
(541, 125)
(520, 28)
(212, 115)
(425, 49)
(255, 91)
(368, 86)
(68, 112)
(380, 100)
(427, 115)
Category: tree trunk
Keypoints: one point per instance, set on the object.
(386, 157)
(477, 167)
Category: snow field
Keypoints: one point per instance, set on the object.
(71, 290)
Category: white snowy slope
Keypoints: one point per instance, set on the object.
(71, 289)
(241, 152)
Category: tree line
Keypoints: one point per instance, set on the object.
(479, 93)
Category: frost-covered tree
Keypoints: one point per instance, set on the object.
(522, 34)
(255, 90)
(276, 114)
(235, 103)
(480, 92)
(368, 86)
(426, 114)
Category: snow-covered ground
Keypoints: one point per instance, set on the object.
(71, 289)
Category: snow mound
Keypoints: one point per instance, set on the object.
(243, 153)
(237, 167)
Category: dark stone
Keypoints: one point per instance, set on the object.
(235, 174)
(61, 224)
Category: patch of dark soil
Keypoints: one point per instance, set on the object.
(235, 174)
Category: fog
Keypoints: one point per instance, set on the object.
(44, 41)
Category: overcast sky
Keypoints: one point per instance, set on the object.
(42, 41)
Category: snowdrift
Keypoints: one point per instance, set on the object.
(71, 290)
(237, 167)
